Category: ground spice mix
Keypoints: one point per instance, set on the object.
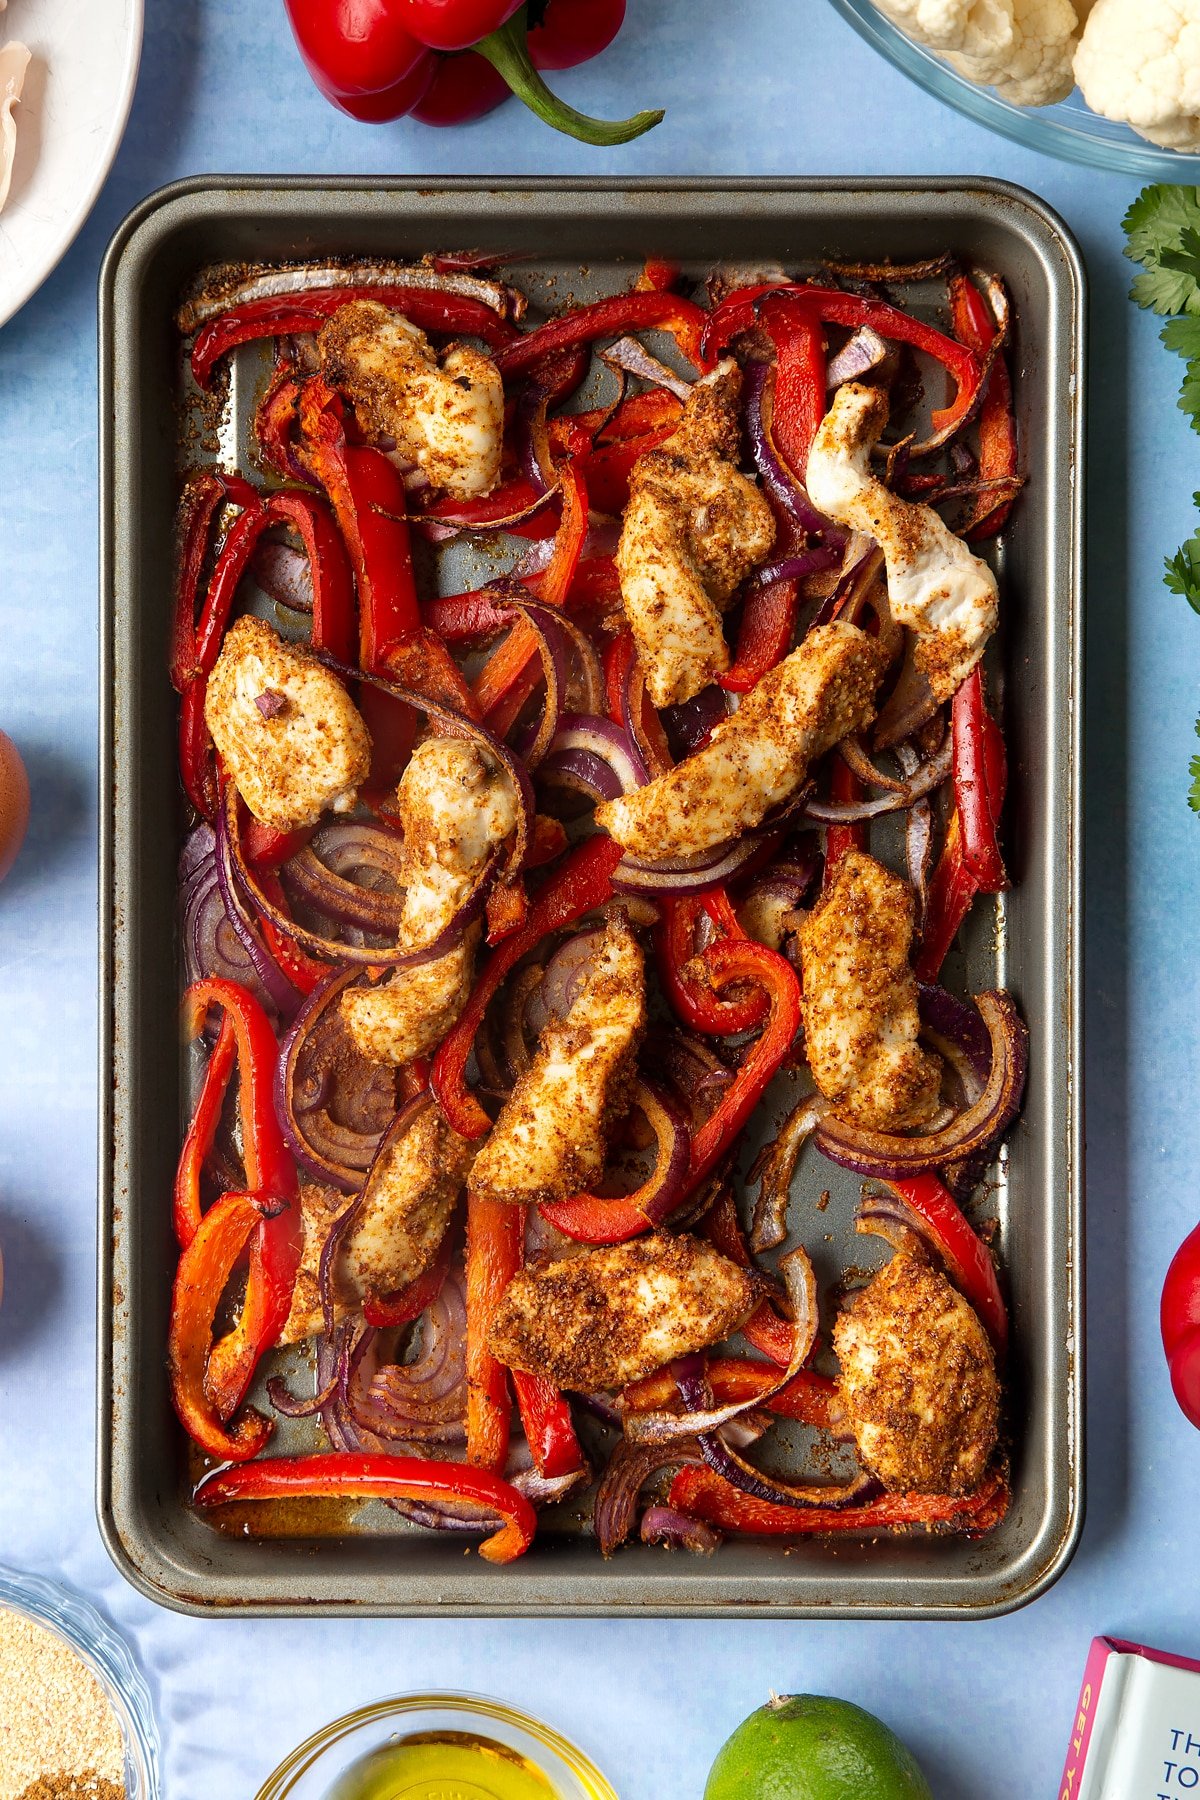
(59, 1736)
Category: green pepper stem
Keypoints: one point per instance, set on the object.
(508, 52)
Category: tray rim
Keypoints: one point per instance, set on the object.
(150, 215)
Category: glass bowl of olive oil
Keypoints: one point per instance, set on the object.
(437, 1747)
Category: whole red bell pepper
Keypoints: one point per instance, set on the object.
(376, 1476)
(464, 88)
(495, 1237)
(1179, 1320)
(570, 32)
(548, 1425)
(703, 1494)
(582, 881)
(203, 1274)
(362, 55)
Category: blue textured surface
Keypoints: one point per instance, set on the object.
(773, 88)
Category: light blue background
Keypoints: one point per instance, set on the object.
(763, 87)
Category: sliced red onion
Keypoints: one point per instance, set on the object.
(928, 269)
(629, 1469)
(774, 1171)
(891, 1157)
(270, 703)
(548, 1490)
(425, 1400)
(601, 738)
(797, 566)
(558, 987)
(220, 294)
(447, 523)
(861, 567)
(291, 1407)
(928, 776)
(211, 945)
(678, 1531)
(863, 351)
(631, 355)
(582, 772)
(700, 1416)
(918, 847)
(663, 1188)
(317, 873)
(691, 723)
(282, 995)
(318, 1063)
(953, 1021)
(829, 1496)
(787, 492)
(686, 875)
(886, 1215)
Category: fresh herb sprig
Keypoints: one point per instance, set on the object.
(1162, 230)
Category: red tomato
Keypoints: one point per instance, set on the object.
(14, 803)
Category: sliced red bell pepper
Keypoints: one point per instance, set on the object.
(201, 1132)
(798, 404)
(548, 1425)
(740, 312)
(198, 506)
(507, 909)
(723, 964)
(612, 318)
(702, 1494)
(581, 882)
(808, 1397)
(978, 811)
(455, 315)
(386, 1311)
(277, 420)
(608, 468)
(197, 756)
(844, 789)
(515, 507)
(333, 614)
(953, 889)
(629, 703)
(270, 1174)
(495, 1237)
(638, 416)
(764, 1329)
(376, 1476)
(967, 1258)
(200, 1282)
(974, 325)
(693, 998)
(764, 635)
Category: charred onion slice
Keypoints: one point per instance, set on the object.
(315, 1053)
(218, 297)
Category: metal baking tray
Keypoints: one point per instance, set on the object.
(585, 237)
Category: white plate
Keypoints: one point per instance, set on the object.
(70, 121)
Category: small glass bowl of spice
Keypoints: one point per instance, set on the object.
(76, 1722)
(438, 1747)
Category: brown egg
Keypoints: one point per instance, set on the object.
(14, 803)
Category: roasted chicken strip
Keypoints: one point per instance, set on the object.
(759, 756)
(936, 586)
(456, 807)
(551, 1139)
(918, 1384)
(611, 1316)
(694, 528)
(444, 417)
(860, 1000)
(289, 735)
(406, 1207)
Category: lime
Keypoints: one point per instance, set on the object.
(809, 1747)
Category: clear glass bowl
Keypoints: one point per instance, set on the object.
(1069, 129)
(310, 1772)
(70, 1617)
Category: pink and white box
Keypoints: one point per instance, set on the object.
(1136, 1733)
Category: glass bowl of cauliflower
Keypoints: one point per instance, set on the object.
(1114, 83)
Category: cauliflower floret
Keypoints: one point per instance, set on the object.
(1035, 68)
(972, 27)
(1139, 61)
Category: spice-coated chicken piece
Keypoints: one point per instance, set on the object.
(445, 416)
(860, 1000)
(456, 807)
(694, 528)
(290, 737)
(611, 1316)
(760, 756)
(936, 586)
(407, 1204)
(551, 1139)
(918, 1385)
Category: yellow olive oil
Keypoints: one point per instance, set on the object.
(443, 1765)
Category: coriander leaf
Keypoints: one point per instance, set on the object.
(1157, 218)
(1194, 772)
(1165, 291)
(1189, 395)
(1186, 260)
(1181, 572)
(1183, 336)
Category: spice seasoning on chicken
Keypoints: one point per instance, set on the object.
(59, 1735)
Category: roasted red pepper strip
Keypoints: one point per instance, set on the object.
(305, 972)
(381, 1477)
(638, 416)
(612, 318)
(808, 1398)
(690, 995)
(798, 404)
(724, 963)
(197, 757)
(581, 882)
(201, 498)
(457, 315)
(844, 788)
(702, 1494)
(200, 1133)
(764, 1329)
(270, 1174)
(516, 507)
(495, 1237)
(386, 1311)
(740, 312)
(333, 614)
(974, 325)
(200, 1281)
(764, 635)
(967, 1258)
(548, 1425)
(623, 676)
(953, 888)
(978, 812)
